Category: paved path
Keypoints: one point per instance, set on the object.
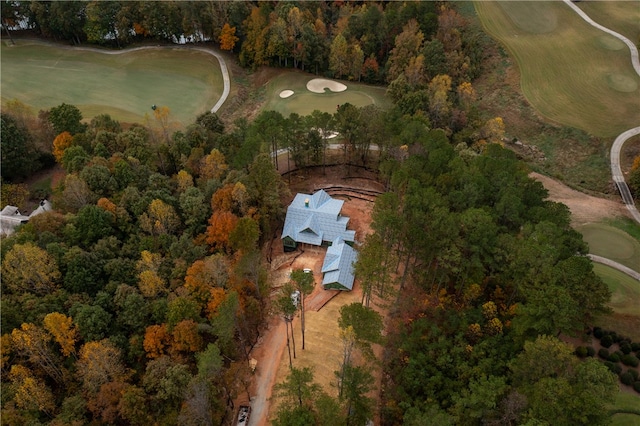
(223, 64)
(616, 171)
(615, 265)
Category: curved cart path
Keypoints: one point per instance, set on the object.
(223, 64)
(615, 265)
(616, 171)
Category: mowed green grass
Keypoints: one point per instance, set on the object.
(304, 102)
(625, 297)
(571, 72)
(612, 243)
(123, 85)
(625, 291)
(621, 16)
(626, 401)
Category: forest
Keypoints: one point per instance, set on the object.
(139, 298)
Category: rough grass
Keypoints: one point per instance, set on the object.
(567, 72)
(304, 102)
(613, 244)
(124, 85)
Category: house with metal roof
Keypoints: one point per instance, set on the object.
(10, 216)
(315, 220)
(338, 266)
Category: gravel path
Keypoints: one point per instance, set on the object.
(616, 171)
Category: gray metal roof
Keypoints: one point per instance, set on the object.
(338, 264)
(312, 219)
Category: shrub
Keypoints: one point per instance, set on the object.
(603, 353)
(590, 351)
(635, 346)
(626, 378)
(581, 351)
(606, 341)
(616, 369)
(625, 347)
(630, 360)
(635, 374)
(614, 357)
(614, 337)
(598, 332)
(636, 386)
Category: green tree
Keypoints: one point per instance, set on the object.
(356, 383)
(266, 188)
(19, 156)
(560, 388)
(92, 321)
(366, 324)
(66, 118)
(339, 56)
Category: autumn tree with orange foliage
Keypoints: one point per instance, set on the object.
(186, 337)
(221, 224)
(206, 274)
(217, 296)
(228, 37)
(60, 144)
(156, 340)
(231, 197)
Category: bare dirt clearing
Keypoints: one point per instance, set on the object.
(584, 208)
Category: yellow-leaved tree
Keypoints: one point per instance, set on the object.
(28, 268)
(184, 181)
(213, 166)
(64, 332)
(31, 393)
(151, 284)
(160, 218)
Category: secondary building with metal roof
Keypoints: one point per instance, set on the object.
(338, 266)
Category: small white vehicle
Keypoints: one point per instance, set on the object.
(243, 415)
(295, 298)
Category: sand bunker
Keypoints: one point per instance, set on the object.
(286, 93)
(318, 85)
